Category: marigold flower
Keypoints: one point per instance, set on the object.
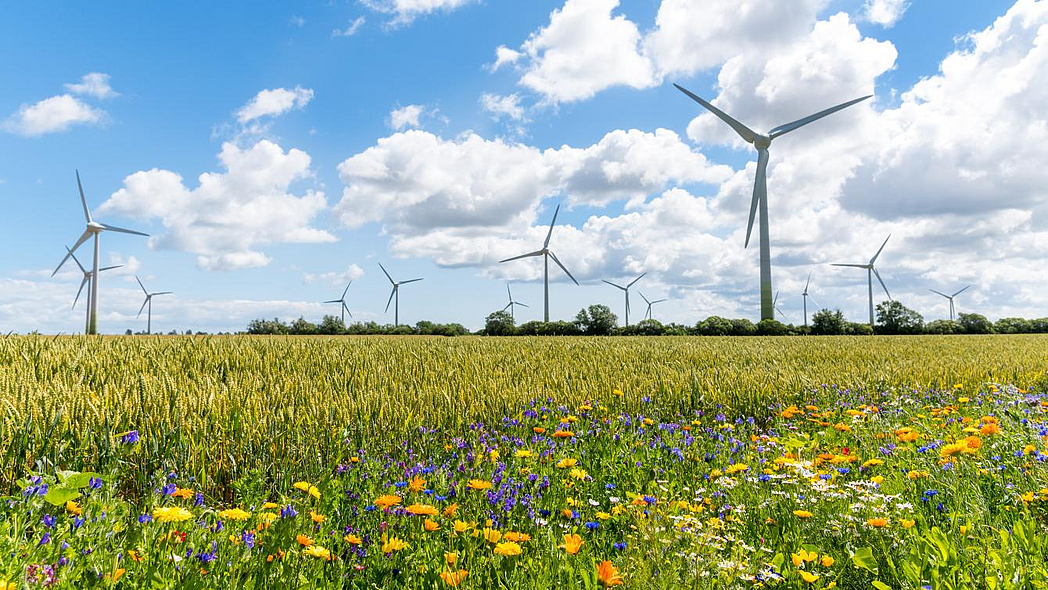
(451, 558)
(318, 552)
(461, 527)
(808, 576)
(563, 434)
(234, 514)
(352, 539)
(416, 484)
(303, 540)
(802, 514)
(491, 535)
(906, 434)
(387, 501)
(393, 545)
(578, 474)
(827, 561)
(450, 510)
(117, 574)
(907, 523)
(171, 514)
(538, 430)
(617, 392)
(184, 493)
(567, 462)
(422, 510)
(989, 429)
(317, 518)
(430, 525)
(508, 549)
(517, 537)
(877, 522)
(453, 579)
(270, 505)
(73, 508)
(478, 484)
(803, 556)
(523, 453)
(572, 543)
(608, 574)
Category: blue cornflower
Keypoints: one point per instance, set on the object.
(130, 437)
(621, 545)
(144, 518)
(288, 511)
(48, 521)
(592, 525)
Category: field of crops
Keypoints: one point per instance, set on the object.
(524, 463)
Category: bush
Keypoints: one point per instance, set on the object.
(714, 326)
(743, 327)
(943, 327)
(1013, 326)
(857, 329)
(974, 323)
(499, 323)
(771, 328)
(649, 328)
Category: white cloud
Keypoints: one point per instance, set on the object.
(502, 106)
(230, 213)
(504, 55)
(94, 84)
(585, 49)
(404, 12)
(406, 116)
(351, 30)
(337, 278)
(885, 12)
(297, 20)
(274, 102)
(52, 115)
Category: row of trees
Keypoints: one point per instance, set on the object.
(598, 320)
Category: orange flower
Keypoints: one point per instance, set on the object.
(119, 573)
(563, 434)
(430, 525)
(508, 549)
(417, 484)
(73, 508)
(906, 434)
(608, 574)
(183, 493)
(517, 537)
(539, 430)
(304, 540)
(387, 501)
(877, 522)
(572, 543)
(989, 428)
(453, 578)
(352, 539)
(317, 518)
(422, 510)
(450, 510)
(478, 484)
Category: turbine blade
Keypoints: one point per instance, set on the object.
(411, 281)
(163, 293)
(122, 230)
(808, 282)
(107, 267)
(612, 284)
(387, 275)
(874, 259)
(521, 304)
(73, 256)
(644, 298)
(550, 233)
(79, 291)
(333, 301)
(775, 300)
(529, 254)
(347, 290)
(507, 306)
(141, 285)
(144, 302)
(961, 291)
(743, 131)
(391, 294)
(346, 307)
(636, 279)
(658, 301)
(879, 279)
(784, 129)
(852, 265)
(813, 301)
(509, 293)
(69, 251)
(555, 259)
(939, 293)
(83, 199)
(760, 190)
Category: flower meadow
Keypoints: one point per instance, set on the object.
(847, 488)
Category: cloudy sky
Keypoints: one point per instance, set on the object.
(275, 153)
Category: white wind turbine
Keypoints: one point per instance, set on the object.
(342, 300)
(760, 187)
(395, 294)
(650, 303)
(87, 278)
(626, 290)
(94, 228)
(775, 304)
(950, 297)
(806, 297)
(546, 254)
(512, 304)
(148, 301)
(870, 272)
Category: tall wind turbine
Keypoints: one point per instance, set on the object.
(94, 228)
(512, 304)
(950, 297)
(395, 294)
(546, 254)
(626, 290)
(650, 303)
(760, 187)
(806, 297)
(87, 278)
(342, 300)
(148, 301)
(870, 272)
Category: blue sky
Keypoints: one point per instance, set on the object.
(337, 135)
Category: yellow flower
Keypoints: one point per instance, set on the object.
(393, 545)
(417, 484)
(507, 549)
(450, 510)
(317, 518)
(352, 539)
(517, 537)
(952, 449)
(451, 558)
(117, 574)
(877, 522)
(603, 516)
(304, 540)
(803, 556)
(73, 508)
(608, 574)
(478, 484)
(307, 488)
(827, 561)
(266, 518)
(461, 527)
(907, 523)
(572, 543)
(270, 505)
(873, 463)
(802, 514)
(736, 468)
(567, 462)
(523, 454)
(617, 392)
(492, 535)
(453, 578)
(430, 525)
(808, 577)
(171, 514)
(318, 552)
(234, 514)
(422, 510)
(387, 501)
(577, 473)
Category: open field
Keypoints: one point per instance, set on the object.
(723, 460)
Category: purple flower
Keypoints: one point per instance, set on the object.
(288, 511)
(130, 438)
(48, 521)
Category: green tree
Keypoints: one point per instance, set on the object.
(596, 320)
(650, 327)
(943, 327)
(743, 327)
(857, 329)
(828, 323)
(330, 325)
(714, 326)
(771, 328)
(1013, 326)
(974, 323)
(895, 318)
(499, 323)
(302, 326)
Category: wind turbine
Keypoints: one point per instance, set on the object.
(342, 300)
(148, 301)
(760, 187)
(626, 290)
(775, 304)
(806, 297)
(87, 278)
(870, 272)
(512, 304)
(395, 294)
(94, 228)
(950, 297)
(546, 254)
(650, 303)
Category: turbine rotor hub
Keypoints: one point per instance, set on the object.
(762, 142)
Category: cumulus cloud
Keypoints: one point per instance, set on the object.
(502, 106)
(338, 278)
(274, 102)
(229, 214)
(885, 12)
(404, 12)
(351, 30)
(51, 115)
(94, 84)
(503, 56)
(407, 116)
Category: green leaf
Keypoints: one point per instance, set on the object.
(81, 480)
(863, 558)
(879, 585)
(59, 495)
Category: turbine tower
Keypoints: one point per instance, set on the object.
(950, 297)
(760, 187)
(512, 304)
(395, 294)
(546, 254)
(342, 300)
(626, 290)
(806, 297)
(650, 303)
(94, 228)
(870, 272)
(87, 278)
(148, 301)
